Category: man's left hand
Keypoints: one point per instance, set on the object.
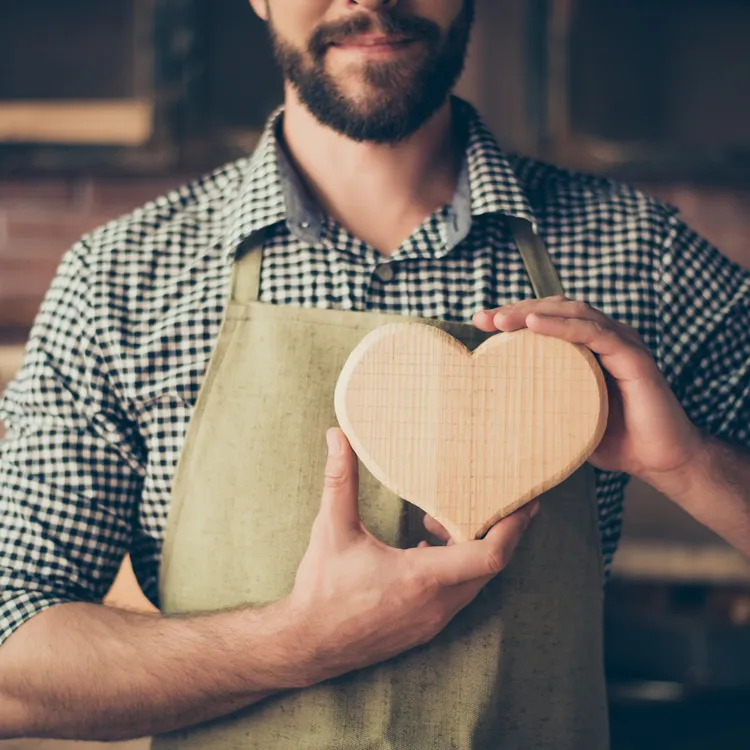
(648, 435)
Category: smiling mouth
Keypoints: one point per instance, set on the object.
(373, 43)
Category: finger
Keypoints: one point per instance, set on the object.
(436, 528)
(339, 508)
(523, 517)
(514, 317)
(484, 320)
(480, 559)
(422, 545)
(596, 337)
(515, 313)
(624, 358)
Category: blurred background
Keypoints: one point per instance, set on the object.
(105, 105)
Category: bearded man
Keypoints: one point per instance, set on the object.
(176, 397)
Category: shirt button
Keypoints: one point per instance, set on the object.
(385, 272)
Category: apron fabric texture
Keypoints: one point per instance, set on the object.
(520, 668)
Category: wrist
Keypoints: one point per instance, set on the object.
(273, 648)
(677, 482)
(296, 645)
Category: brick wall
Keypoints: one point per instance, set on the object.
(40, 219)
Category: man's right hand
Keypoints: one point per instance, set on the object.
(112, 674)
(359, 602)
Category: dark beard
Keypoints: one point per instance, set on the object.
(407, 94)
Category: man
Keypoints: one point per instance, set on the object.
(373, 194)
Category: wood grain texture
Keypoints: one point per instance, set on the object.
(470, 437)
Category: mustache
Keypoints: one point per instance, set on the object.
(388, 25)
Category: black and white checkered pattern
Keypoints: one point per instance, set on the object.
(98, 414)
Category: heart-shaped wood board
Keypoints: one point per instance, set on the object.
(470, 437)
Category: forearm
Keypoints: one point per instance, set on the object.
(82, 671)
(715, 489)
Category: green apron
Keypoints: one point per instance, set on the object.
(520, 668)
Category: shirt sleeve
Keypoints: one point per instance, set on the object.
(704, 347)
(70, 470)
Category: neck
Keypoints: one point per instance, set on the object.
(381, 193)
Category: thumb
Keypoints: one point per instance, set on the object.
(340, 504)
(486, 557)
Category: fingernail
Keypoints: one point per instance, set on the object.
(334, 442)
(534, 509)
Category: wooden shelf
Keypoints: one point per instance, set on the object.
(675, 562)
(100, 123)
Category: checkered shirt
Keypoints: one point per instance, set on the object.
(98, 414)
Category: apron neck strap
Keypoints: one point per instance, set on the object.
(246, 269)
(544, 278)
(536, 259)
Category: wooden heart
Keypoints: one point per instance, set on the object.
(470, 437)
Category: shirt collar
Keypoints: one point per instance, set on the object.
(260, 202)
(493, 185)
(271, 190)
